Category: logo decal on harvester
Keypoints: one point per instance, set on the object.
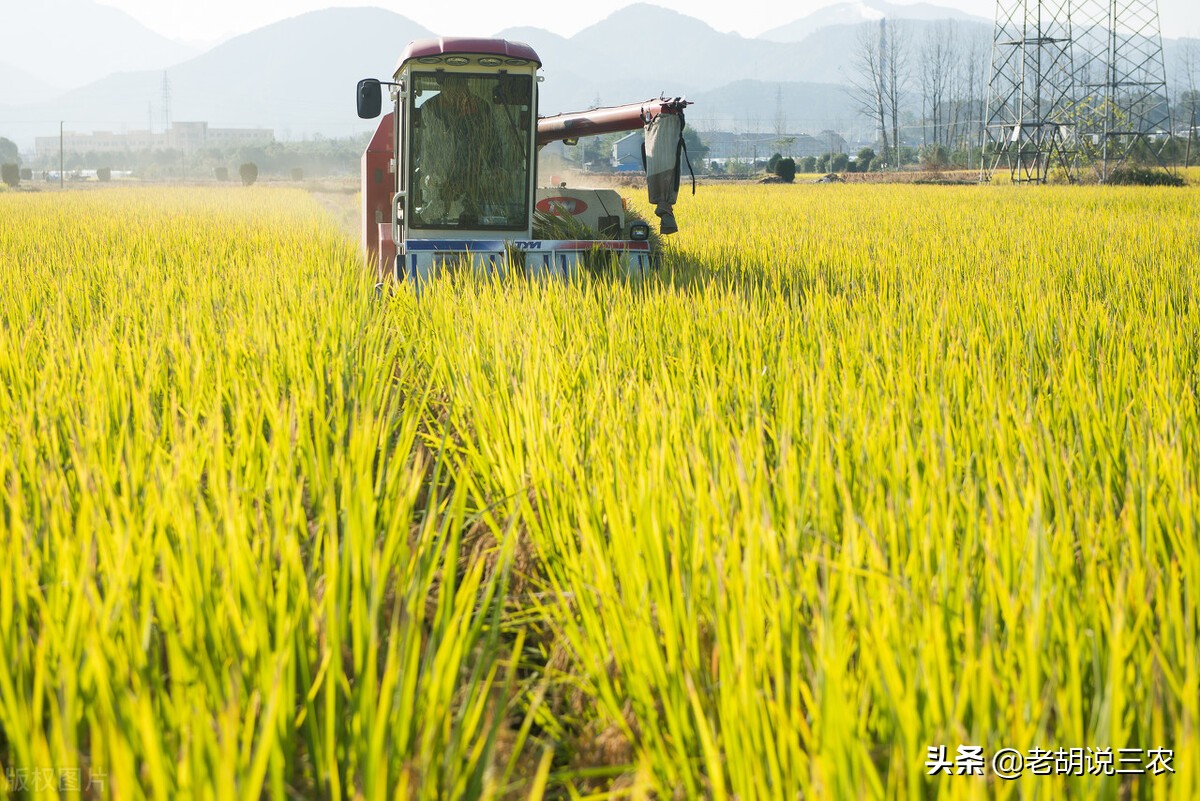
(561, 205)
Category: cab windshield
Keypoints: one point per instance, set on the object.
(470, 151)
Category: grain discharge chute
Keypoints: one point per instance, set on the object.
(450, 175)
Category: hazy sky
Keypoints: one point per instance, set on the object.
(214, 19)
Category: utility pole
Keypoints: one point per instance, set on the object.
(60, 154)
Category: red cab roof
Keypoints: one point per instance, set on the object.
(454, 45)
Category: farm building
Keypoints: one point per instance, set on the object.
(627, 152)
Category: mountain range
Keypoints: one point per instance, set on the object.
(70, 43)
(297, 76)
(855, 13)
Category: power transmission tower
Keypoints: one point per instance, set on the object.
(1029, 125)
(166, 102)
(1123, 108)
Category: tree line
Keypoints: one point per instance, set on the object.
(316, 157)
(928, 90)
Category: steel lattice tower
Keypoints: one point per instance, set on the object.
(166, 102)
(1030, 124)
(1123, 109)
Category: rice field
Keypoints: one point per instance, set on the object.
(863, 472)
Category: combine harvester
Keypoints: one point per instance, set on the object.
(450, 176)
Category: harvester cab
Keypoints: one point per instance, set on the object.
(450, 176)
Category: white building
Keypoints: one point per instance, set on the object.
(185, 136)
(627, 152)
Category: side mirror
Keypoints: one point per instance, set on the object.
(370, 98)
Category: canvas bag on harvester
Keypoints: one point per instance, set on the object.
(661, 158)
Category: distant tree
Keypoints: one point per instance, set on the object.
(696, 148)
(1189, 101)
(881, 73)
(10, 173)
(937, 58)
(808, 164)
(256, 154)
(26, 174)
(935, 157)
(773, 162)
(9, 152)
(864, 159)
(738, 168)
(786, 169)
(898, 47)
(248, 172)
(1135, 175)
(840, 162)
(870, 80)
(104, 174)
